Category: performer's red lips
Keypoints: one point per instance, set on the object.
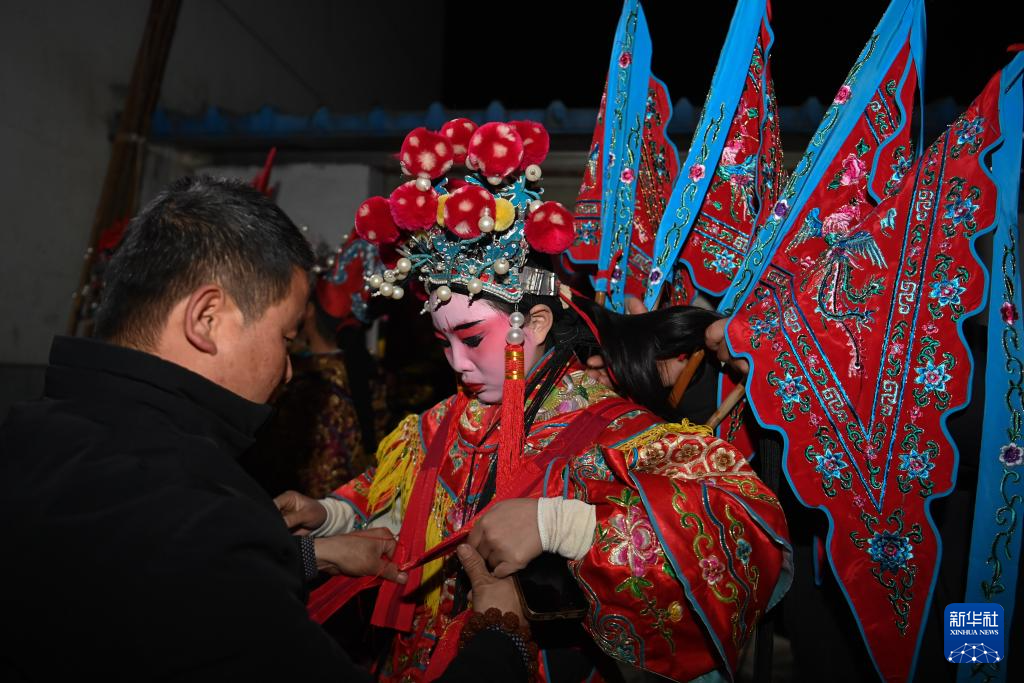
(473, 388)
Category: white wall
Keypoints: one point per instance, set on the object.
(58, 88)
(64, 69)
(321, 197)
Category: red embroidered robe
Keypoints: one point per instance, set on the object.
(690, 547)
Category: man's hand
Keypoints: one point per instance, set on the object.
(301, 513)
(507, 536)
(359, 553)
(487, 590)
(714, 339)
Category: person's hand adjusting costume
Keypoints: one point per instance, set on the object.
(301, 513)
(366, 552)
(516, 531)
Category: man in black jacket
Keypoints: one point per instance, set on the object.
(136, 547)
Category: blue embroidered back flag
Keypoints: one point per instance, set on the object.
(854, 333)
(732, 173)
(994, 560)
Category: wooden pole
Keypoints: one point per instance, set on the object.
(734, 397)
(121, 184)
(683, 381)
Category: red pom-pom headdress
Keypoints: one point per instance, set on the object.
(426, 154)
(374, 222)
(467, 211)
(549, 228)
(413, 208)
(458, 132)
(474, 232)
(496, 150)
(536, 143)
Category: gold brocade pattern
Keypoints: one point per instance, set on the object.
(660, 430)
(690, 460)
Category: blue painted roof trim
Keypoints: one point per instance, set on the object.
(270, 123)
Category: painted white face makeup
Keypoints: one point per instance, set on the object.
(473, 337)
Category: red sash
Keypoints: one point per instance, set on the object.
(393, 608)
(395, 605)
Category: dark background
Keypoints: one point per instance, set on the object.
(559, 50)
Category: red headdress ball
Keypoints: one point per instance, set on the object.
(412, 208)
(549, 229)
(458, 132)
(425, 154)
(536, 142)
(374, 222)
(464, 209)
(495, 150)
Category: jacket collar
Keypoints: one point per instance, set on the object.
(88, 369)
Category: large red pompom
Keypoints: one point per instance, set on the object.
(412, 208)
(425, 154)
(465, 207)
(536, 142)
(549, 229)
(495, 150)
(374, 222)
(458, 132)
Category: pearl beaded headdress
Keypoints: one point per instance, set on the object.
(473, 233)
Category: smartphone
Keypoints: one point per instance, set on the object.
(547, 590)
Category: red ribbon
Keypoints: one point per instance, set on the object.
(393, 609)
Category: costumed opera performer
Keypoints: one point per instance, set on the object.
(676, 547)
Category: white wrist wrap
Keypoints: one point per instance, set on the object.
(566, 526)
(340, 518)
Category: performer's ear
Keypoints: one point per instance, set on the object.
(539, 322)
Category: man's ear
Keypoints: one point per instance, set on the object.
(204, 313)
(539, 322)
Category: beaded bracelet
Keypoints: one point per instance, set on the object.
(507, 623)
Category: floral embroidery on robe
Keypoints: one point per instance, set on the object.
(690, 547)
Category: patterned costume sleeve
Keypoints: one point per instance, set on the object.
(690, 550)
(355, 494)
(398, 458)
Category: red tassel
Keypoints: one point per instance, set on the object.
(513, 410)
(262, 180)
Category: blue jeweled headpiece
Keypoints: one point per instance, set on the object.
(475, 234)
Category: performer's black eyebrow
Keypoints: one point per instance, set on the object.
(466, 326)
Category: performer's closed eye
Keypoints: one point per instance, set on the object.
(474, 341)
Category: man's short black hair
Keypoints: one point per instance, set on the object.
(200, 229)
